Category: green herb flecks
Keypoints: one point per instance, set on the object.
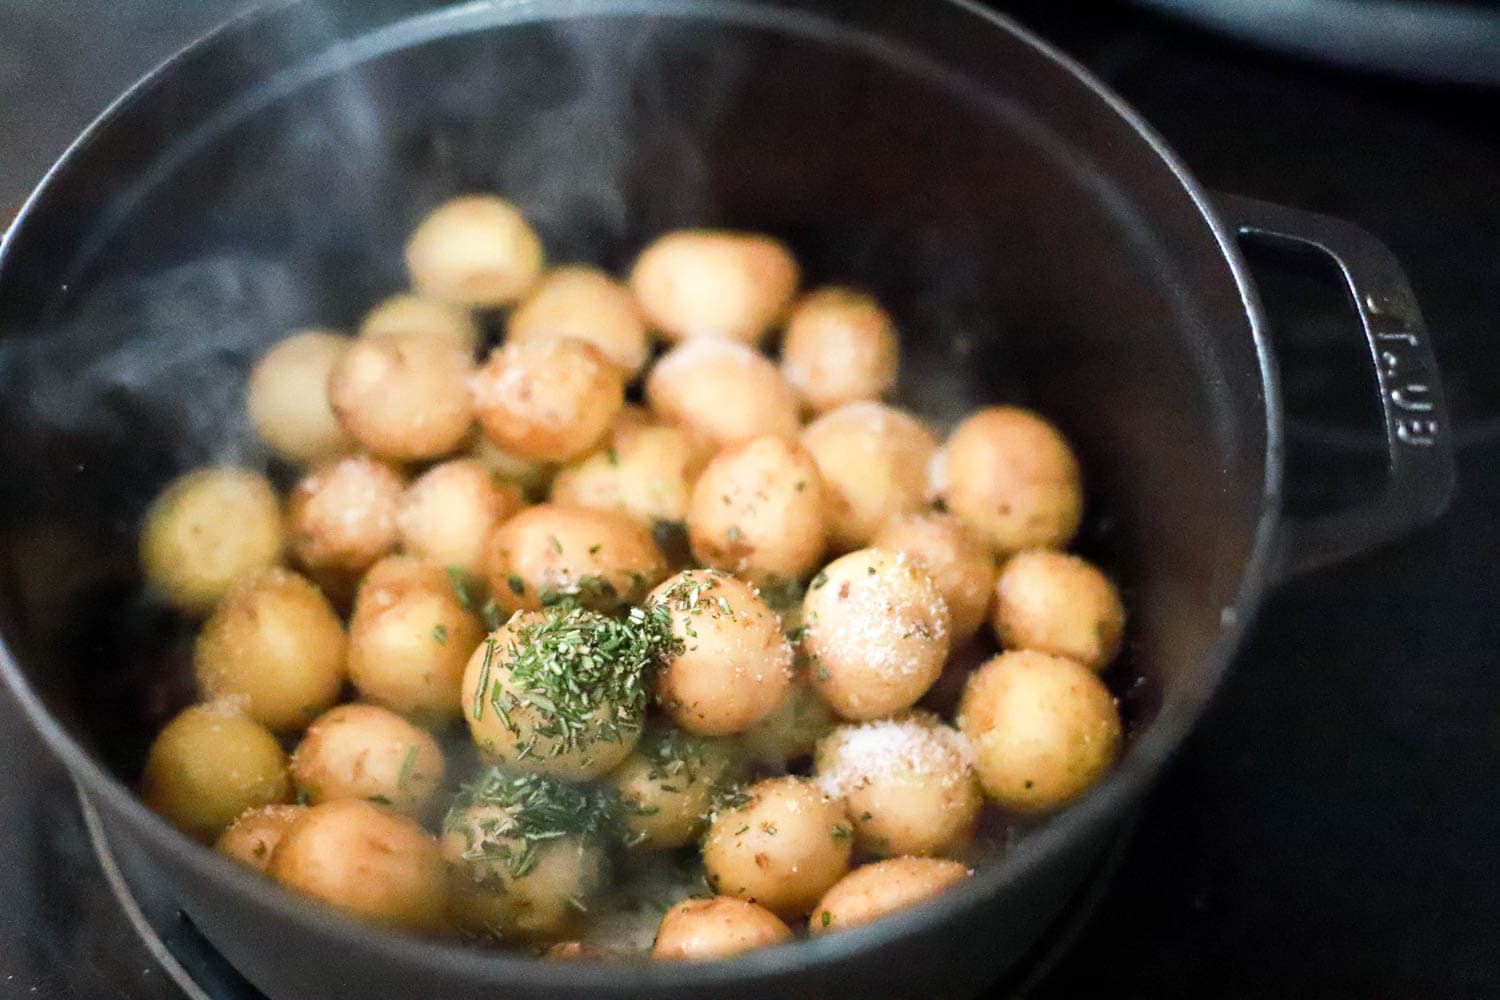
(407, 763)
(484, 678)
(516, 584)
(460, 582)
(506, 817)
(440, 634)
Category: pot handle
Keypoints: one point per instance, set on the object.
(1419, 480)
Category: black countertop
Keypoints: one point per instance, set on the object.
(1333, 828)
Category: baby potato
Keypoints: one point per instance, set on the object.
(275, 645)
(547, 399)
(205, 530)
(666, 787)
(702, 929)
(252, 838)
(885, 887)
(706, 283)
(1012, 476)
(873, 460)
(533, 478)
(734, 663)
(367, 861)
(908, 784)
(586, 304)
(604, 558)
(722, 392)
(288, 397)
(839, 347)
(1044, 729)
(410, 638)
(343, 515)
(412, 314)
(956, 558)
(782, 849)
(445, 516)
(539, 698)
(645, 472)
(208, 765)
(474, 250)
(792, 729)
(404, 396)
(757, 511)
(876, 633)
(1057, 603)
(367, 752)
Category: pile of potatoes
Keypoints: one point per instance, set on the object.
(457, 675)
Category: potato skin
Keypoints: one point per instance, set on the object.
(404, 396)
(714, 284)
(757, 511)
(1013, 477)
(585, 304)
(1057, 603)
(1044, 729)
(957, 559)
(666, 788)
(343, 515)
(413, 314)
(875, 632)
(885, 887)
(722, 392)
(474, 250)
(367, 861)
(367, 752)
(210, 764)
(793, 728)
(701, 929)
(552, 547)
(873, 460)
(252, 838)
(548, 399)
(646, 472)
(205, 530)
(839, 347)
(783, 849)
(734, 665)
(287, 397)
(274, 644)
(445, 515)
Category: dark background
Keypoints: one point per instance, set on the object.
(1333, 829)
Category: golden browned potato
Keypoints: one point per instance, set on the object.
(733, 664)
(404, 396)
(722, 392)
(1044, 729)
(957, 559)
(1058, 603)
(343, 515)
(586, 304)
(410, 639)
(707, 283)
(792, 729)
(782, 849)
(908, 784)
(547, 399)
(275, 646)
(446, 515)
(1011, 475)
(540, 696)
(412, 314)
(875, 630)
(474, 250)
(603, 558)
(757, 511)
(368, 752)
(525, 853)
(873, 459)
(839, 347)
(666, 787)
(252, 838)
(701, 929)
(885, 887)
(207, 529)
(208, 765)
(365, 860)
(645, 471)
(533, 478)
(288, 397)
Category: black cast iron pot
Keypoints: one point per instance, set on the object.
(1035, 240)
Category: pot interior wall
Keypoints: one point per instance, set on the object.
(1027, 250)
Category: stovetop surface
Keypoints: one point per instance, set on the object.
(1332, 830)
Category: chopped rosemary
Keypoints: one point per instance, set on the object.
(484, 678)
(827, 918)
(440, 634)
(517, 585)
(818, 580)
(493, 614)
(504, 817)
(460, 582)
(609, 454)
(407, 763)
